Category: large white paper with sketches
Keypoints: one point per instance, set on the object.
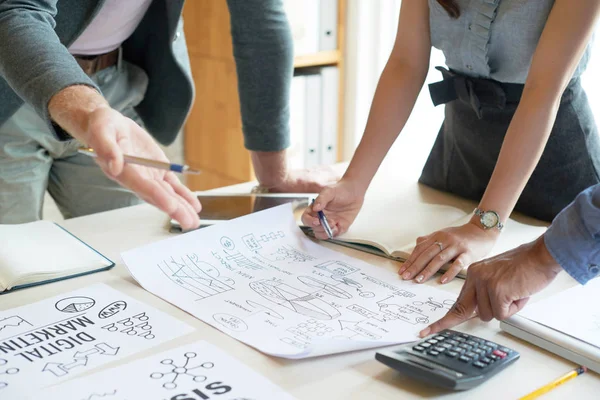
(573, 312)
(196, 371)
(262, 281)
(58, 338)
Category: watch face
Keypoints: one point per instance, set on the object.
(489, 219)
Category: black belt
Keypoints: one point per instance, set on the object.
(477, 92)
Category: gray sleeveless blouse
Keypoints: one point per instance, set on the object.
(493, 39)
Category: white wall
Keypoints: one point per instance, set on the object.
(371, 29)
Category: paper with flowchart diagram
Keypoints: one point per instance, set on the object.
(260, 280)
(192, 371)
(61, 337)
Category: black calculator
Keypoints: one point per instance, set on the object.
(450, 359)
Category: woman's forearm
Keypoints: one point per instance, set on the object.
(522, 148)
(563, 42)
(394, 100)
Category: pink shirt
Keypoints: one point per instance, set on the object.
(113, 24)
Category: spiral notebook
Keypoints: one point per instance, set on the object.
(42, 252)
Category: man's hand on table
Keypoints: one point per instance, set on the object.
(273, 174)
(501, 286)
(85, 115)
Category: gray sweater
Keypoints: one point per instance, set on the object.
(35, 63)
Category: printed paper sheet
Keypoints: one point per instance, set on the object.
(198, 371)
(262, 281)
(61, 337)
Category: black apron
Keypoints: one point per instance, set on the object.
(476, 120)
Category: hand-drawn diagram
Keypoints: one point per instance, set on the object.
(352, 283)
(74, 304)
(231, 322)
(359, 333)
(310, 328)
(285, 286)
(325, 287)
(12, 322)
(290, 254)
(337, 268)
(294, 299)
(6, 371)
(100, 395)
(227, 243)
(80, 359)
(254, 244)
(132, 326)
(196, 276)
(407, 313)
(304, 332)
(339, 272)
(390, 310)
(112, 309)
(241, 260)
(435, 305)
(263, 309)
(182, 370)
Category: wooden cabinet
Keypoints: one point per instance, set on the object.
(213, 133)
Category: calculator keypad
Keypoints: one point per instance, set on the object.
(466, 349)
(462, 360)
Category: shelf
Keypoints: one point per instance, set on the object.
(319, 59)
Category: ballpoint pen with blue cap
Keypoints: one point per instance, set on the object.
(324, 222)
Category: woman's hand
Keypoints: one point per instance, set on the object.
(461, 246)
(340, 203)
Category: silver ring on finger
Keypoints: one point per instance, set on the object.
(440, 245)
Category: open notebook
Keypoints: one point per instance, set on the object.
(42, 252)
(389, 225)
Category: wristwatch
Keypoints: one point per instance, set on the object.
(489, 219)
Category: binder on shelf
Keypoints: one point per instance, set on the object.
(328, 20)
(303, 17)
(296, 151)
(329, 115)
(312, 123)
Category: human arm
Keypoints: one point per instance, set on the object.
(44, 74)
(264, 57)
(395, 96)
(85, 115)
(560, 48)
(32, 59)
(501, 286)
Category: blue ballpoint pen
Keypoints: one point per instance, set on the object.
(324, 222)
(182, 169)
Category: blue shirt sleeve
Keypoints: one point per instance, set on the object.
(573, 239)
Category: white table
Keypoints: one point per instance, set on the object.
(346, 376)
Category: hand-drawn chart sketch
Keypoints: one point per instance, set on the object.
(281, 292)
(62, 337)
(294, 299)
(193, 371)
(198, 277)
